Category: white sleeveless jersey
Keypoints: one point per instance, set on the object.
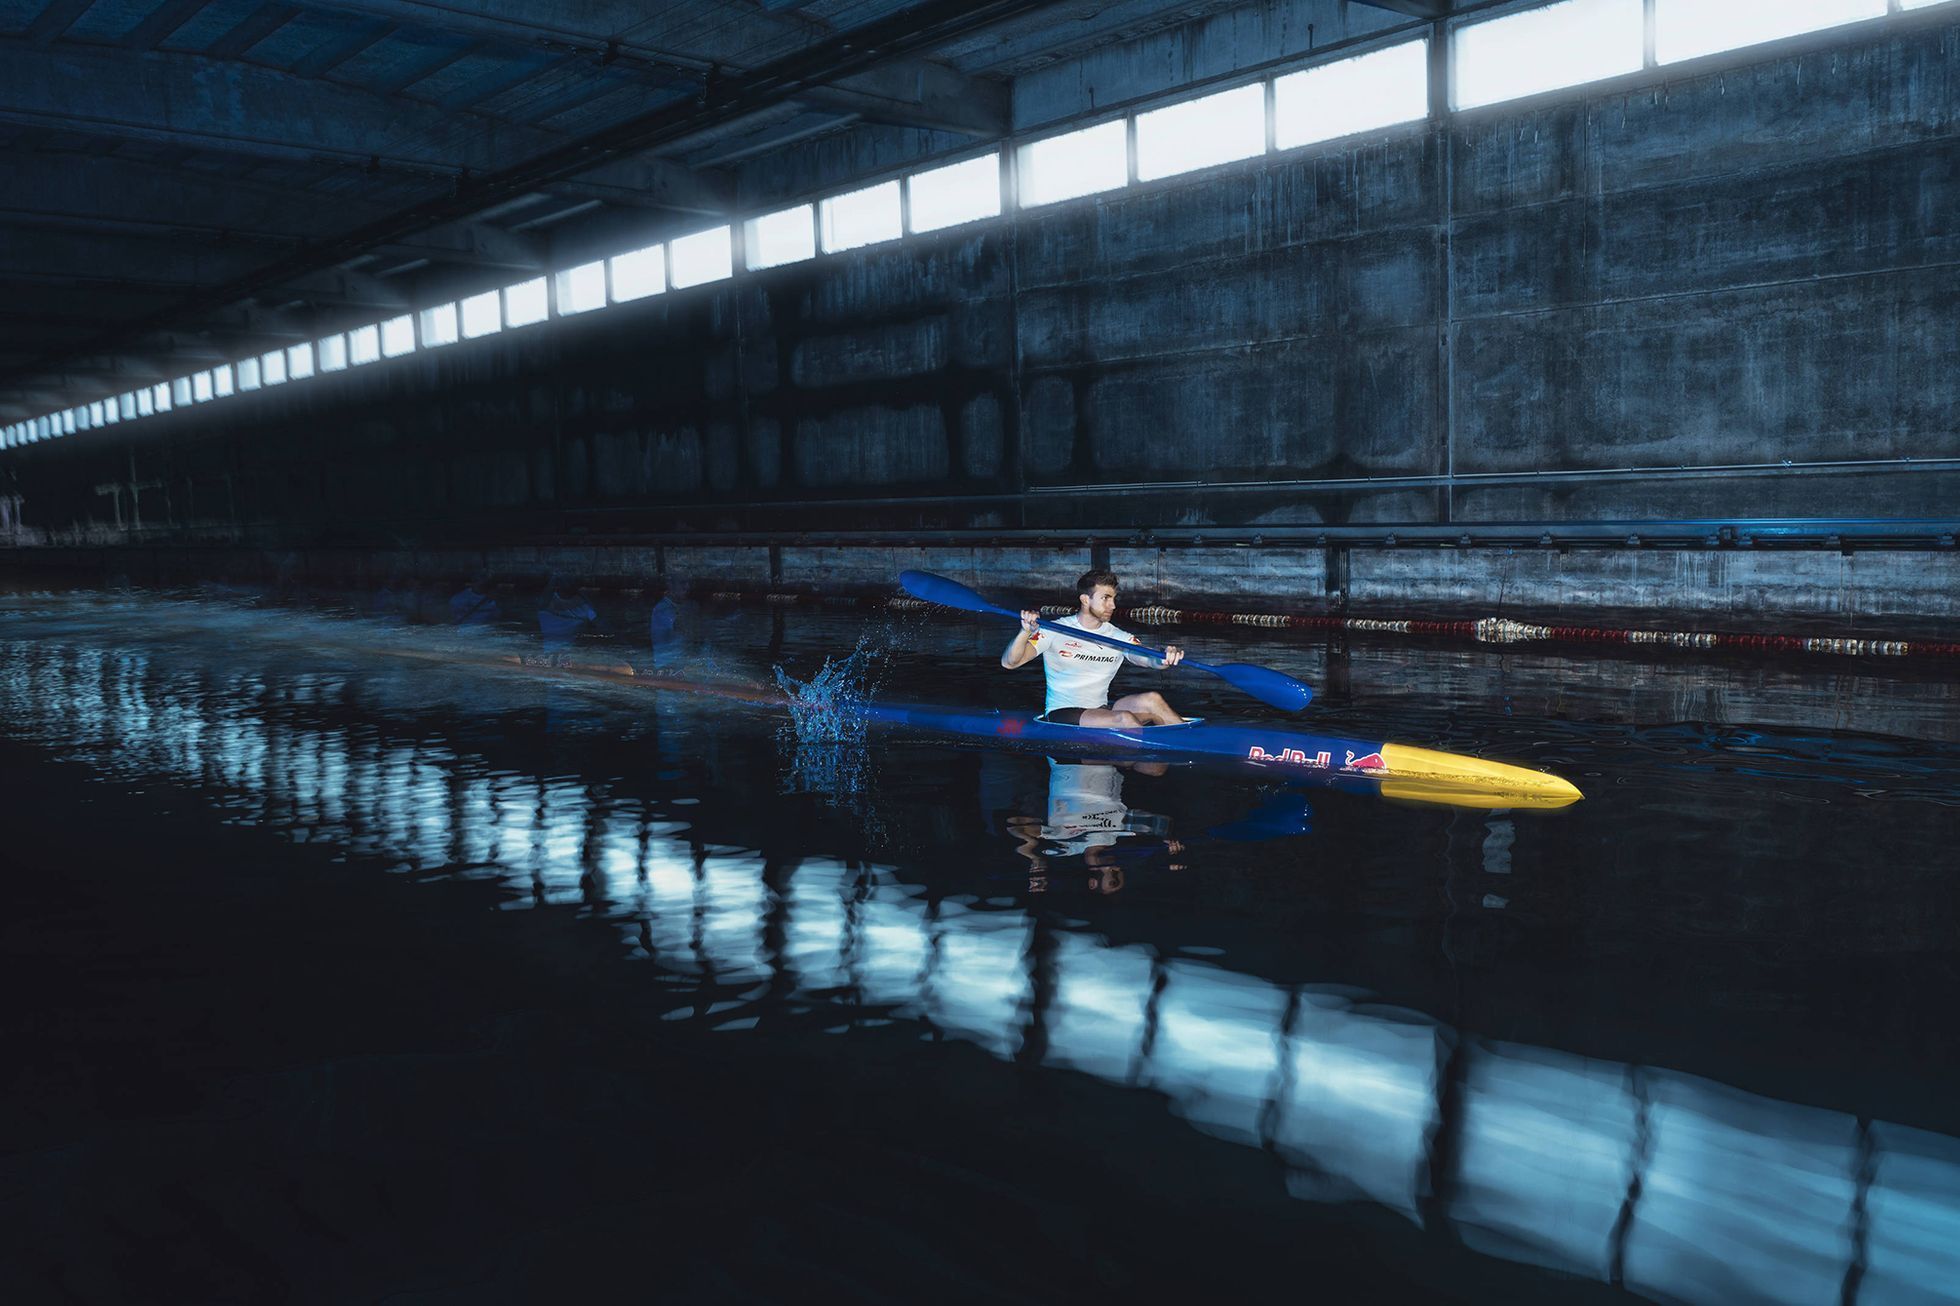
(1078, 670)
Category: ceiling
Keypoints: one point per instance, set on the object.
(190, 181)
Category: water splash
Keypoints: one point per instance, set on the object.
(824, 739)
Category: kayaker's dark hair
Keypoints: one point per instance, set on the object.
(1086, 583)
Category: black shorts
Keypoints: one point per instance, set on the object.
(1067, 716)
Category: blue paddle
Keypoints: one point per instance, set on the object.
(1263, 683)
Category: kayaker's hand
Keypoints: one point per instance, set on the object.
(1173, 655)
(1030, 622)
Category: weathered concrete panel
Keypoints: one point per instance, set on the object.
(872, 446)
(920, 274)
(873, 353)
(1871, 214)
(765, 452)
(1048, 422)
(674, 461)
(1859, 367)
(1927, 493)
(1010, 574)
(1776, 113)
(1334, 404)
(1263, 580)
(710, 566)
(1252, 210)
(981, 437)
(1738, 584)
(1359, 285)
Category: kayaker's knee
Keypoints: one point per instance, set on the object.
(1125, 721)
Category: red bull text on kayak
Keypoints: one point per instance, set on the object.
(1299, 757)
(1295, 756)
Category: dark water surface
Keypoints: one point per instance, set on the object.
(905, 1016)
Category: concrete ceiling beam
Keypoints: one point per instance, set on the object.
(113, 195)
(912, 91)
(242, 109)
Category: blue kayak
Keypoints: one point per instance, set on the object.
(1401, 769)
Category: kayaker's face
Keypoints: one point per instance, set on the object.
(1101, 604)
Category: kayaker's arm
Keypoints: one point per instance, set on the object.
(1023, 651)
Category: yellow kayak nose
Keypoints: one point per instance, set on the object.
(1428, 776)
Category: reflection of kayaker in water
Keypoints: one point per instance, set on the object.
(472, 605)
(1087, 818)
(669, 624)
(564, 615)
(1079, 671)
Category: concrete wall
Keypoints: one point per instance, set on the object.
(1732, 267)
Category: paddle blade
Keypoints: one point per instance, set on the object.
(946, 593)
(1265, 684)
(1284, 816)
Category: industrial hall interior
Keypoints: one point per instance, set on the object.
(979, 651)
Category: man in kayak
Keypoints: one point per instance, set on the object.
(1079, 671)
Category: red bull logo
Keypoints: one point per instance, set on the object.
(1365, 762)
(1292, 756)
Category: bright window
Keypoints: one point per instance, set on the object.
(111, 411)
(248, 374)
(95, 417)
(299, 362)
(272, 367)
(526, 302)
(787, 236)
(398, 336)
(956, 193)
(161, 391)
(582, 289)
(201, 387)
(180, 392)
(332, 356)
(68, 421)
(146, 401)
(1199, 133)
(221, 381)
(482, 314)
(1685, 29)
(1080, 163)
(641, 273)
(439, 326)
(860, 217)
(126, 403)
(1352, 95)
(364, 345)
(703, 257)
(1564, 44)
